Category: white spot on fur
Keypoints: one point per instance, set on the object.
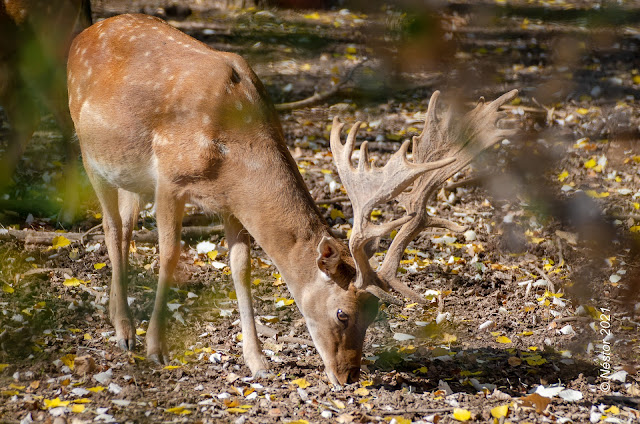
(133, 37)
(159, 140)
(206, 119)
(203, 140)
(238, 105)
(147, 53)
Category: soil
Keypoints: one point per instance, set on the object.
(545, 280)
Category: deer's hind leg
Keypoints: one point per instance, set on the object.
(118, 247)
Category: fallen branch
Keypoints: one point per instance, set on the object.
(141, 236)
(333, 200)
(414, 411)
(319, 97)
(546, 278)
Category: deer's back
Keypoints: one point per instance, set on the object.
(148, 99)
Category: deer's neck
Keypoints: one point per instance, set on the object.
(272, 202)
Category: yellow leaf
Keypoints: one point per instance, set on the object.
(212, 255)
(172, 367)
(591, 163)
(336, 213)
(256, 282)
(236, 410)
(314, 15)
(636, 79)
(74, 282)
(97, 215)
(54, 403)
(503, 339)
(366, 383)
(96, 389)
(361, 391)
(338, 403)
(400, 420)
(613, 410)
(140, 331)
(68, 360)
(582, 111)
(15, 386)
(449, 338)
(99, 265)
(596, 195)
(239, 337)
(180, 410)
(500, 411)
(301, 382)
(461, 414)
(77, 408)
(563, 176)
(306, 67)
(82, 400)
(9, 392)
(526, 333)
(299, 422)
(635, 229)
(7, 288)
(60, 241)
(3, 366)
(351, 50)
(87, 336)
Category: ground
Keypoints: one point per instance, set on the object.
(520, 307)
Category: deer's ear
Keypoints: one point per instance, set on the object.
(328, 256)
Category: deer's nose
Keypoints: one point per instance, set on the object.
(354, 375)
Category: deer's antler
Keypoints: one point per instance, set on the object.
(444, 147)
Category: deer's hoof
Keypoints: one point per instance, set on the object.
(158, 358)
(264, 375)
(127, 344)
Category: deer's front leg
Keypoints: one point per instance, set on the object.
(169, 211)
(240, 262)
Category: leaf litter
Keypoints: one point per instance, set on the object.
(495, 340)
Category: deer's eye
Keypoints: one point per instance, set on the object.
(342, 316)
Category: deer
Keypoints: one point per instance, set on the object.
(35, 36)
(161, 115)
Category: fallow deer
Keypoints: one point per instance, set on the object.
(161, 114)
(34, 40)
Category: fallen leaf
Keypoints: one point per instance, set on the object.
(536, 401)
(500, 411)
(180, 410)
(301, 382)
(461, 414)
(99, 265)
(503, 339)
(59, 241)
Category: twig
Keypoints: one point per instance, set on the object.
(468, 181)
(559, 245)
(546, 278)
(414, 411)
(332, 200)
(562, 320)
(143, 236)
(89, 231)
(319, 97)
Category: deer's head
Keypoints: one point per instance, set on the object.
(339, 311)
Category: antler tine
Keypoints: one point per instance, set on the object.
(463, 139)
(368, 186)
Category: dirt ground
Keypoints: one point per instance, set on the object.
(533, 313)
